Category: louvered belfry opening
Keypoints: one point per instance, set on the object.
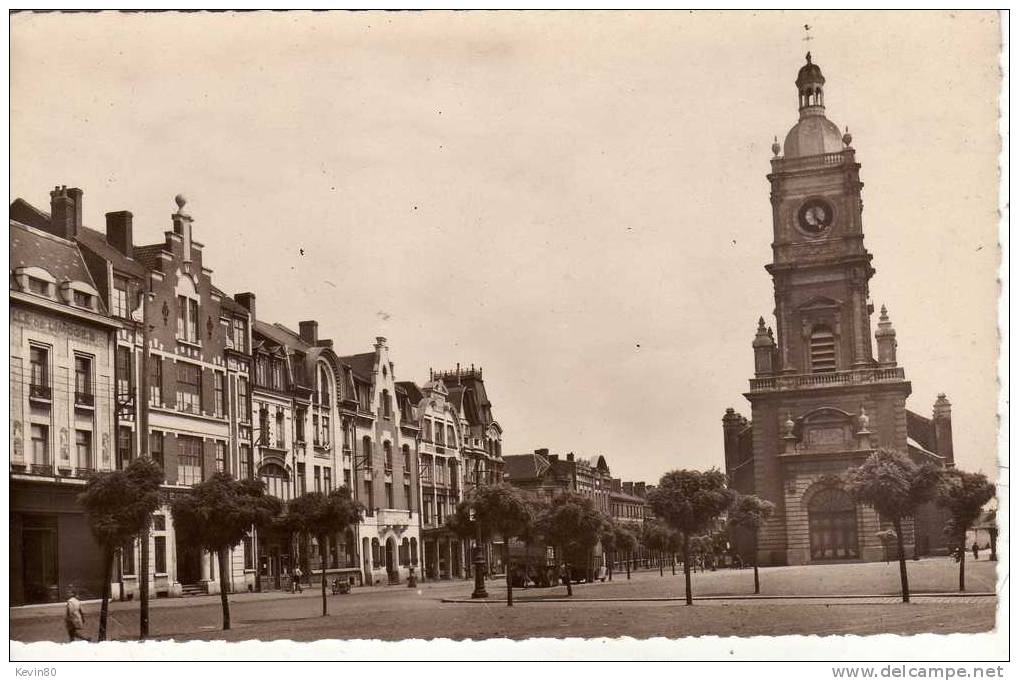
(822, 350)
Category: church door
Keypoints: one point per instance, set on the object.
(833, 534)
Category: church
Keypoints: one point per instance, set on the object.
(820, 401)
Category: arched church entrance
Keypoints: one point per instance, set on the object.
(833, 532)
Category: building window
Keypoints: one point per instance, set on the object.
(406, 495)
(118, 297)
(83, 381)
(155, 380)
(363, 397)
(450, 436)
(327, 479)
(189, 387)
(406, 458)
(323, 387)
(316, 438)
(387, 407)
(189, 460)
(366, 449)
(281, 440)
(325, 431)
(249, 557)
(39, 360)
(427, 437)
(318, 478)
(40, 445)
(82, 299)
(243, 399)
(127, 558)
(389, 495)
(277, 375)
(219, 387)
(38, 286)
(156, 448)
(83, 445)
(240, 335)
(125, 445)
(125, 377)
(302, 484)
(221, 457)
(187, 319)
(387, 450)
(159, 554)
(439, 439)
(369, 495)
(192, 320)
(247, 463)
(299, 417)
(277, 482)
(822, 350)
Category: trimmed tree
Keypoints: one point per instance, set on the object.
(625, 541)
(750, 512)
(964, 496)
(573, 524)
(689, 502)
(216, 515)
(321, 515)
(119, 505)
(608, 543)
(894, 486)
(501, 510)
(655, 537)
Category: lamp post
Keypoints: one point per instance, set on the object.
(479, 563)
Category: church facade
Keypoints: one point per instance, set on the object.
(821, 399)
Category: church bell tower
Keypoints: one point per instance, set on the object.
(821, 402)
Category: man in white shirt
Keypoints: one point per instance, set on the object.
(74, 617)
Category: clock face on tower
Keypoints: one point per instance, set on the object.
(815, 217)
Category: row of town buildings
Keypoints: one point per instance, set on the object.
(121, 350)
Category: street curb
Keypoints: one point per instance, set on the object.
(568, 599)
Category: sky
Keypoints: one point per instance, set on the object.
(575, 202)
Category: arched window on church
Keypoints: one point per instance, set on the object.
(822, 350)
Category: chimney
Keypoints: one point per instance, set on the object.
(542, 452)
(380, 342)
(309, 332)
(569, 457)
(119, 232)
(76, 196)
(247, 301)
(942, 419)
(63, 212)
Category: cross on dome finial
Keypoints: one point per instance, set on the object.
(808, 58)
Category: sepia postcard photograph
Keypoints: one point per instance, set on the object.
(509, 335)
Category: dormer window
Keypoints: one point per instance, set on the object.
(82, 300)
(118, 297)
(38, 287)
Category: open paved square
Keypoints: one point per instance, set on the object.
(852, 598)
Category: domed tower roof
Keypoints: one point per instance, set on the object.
(813, 134)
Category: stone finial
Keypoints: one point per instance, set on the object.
(789, 425)
(762, 337)
(775, 146)
(864, 422)
(942, 407)
(847, 139)
(884, 324)
(180, 201)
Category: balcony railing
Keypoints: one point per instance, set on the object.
(38, 391)
(84, 399)
(42, 469)
(835, 158)
(831, 378)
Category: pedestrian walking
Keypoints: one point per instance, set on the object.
(297, 580)
(74, 617)
(976, 551)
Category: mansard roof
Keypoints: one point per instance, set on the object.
(30, 247)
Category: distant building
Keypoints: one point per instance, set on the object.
(821, 402)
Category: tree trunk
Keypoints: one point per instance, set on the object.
(569, 580)
(686, 569)
(322, 561)
(962, 561)
(224, 585)
(757, 578)
(143, 581)
(612, 560)
(506, 566)
(661, 565)
(672, 556)
(628, 553)
(994, 543)
(897, 523)
(104, 609)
